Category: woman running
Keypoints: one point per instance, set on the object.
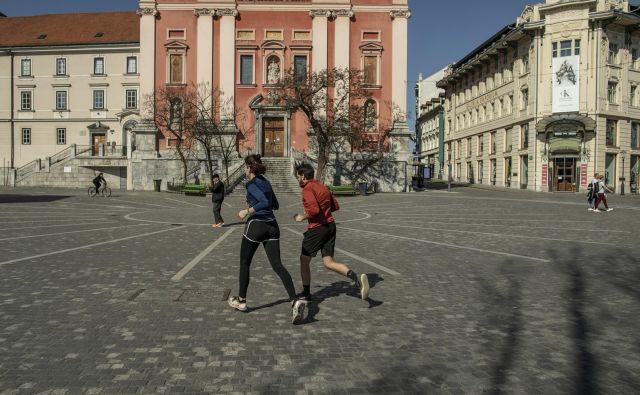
(262, 228)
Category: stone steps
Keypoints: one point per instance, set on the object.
(280, 175)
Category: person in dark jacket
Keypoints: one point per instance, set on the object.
(262, 228)
(98, 182)
(217, 197)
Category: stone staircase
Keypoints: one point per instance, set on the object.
(280, 174)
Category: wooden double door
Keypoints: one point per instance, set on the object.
(565, 174)
(273, 137)
(98, 139)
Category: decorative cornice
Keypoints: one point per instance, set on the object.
(320, 13)
(332, 14)
(227, 12)
(204, 12)
(343, 13)
(147, 11)
(400, 14)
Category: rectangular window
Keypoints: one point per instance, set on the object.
(576, 47)
(635, 135)
(555, 50)
(61, 100)
(565, 48)
(98, 66)
(246, 69)
(370, 36)
(525, 99)
(612, 130)
(612, 89)
(613, 53)
(371, 70)
(480, 144)
(525, 63)
(524, 138)
(61, 66)
(132, 65)
(61, 136)
(25, 100)
(300, 67)
(508, 146)
(633, 93)
(26, 136)
(493, 142)
(634, 58)
(468, 147)
(98, 99)
(25, 67)
(176, 69)
(132, 98)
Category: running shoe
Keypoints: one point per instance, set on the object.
(590, 209)
(297, 311)
(364, 286)
(237, 304)
(609, 209)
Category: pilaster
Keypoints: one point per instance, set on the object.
(399, 55)
(319, 39)
(227, 65)
(205, 45)
(147, 53)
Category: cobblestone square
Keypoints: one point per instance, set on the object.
(474, 291)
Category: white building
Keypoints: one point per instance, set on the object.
(429, 112)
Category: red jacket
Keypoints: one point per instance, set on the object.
(318, 203)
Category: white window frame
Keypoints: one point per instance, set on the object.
(126, 99)
(66, 100)
(612, 92)
(613, 54)
(176, 29)
(379, 39)
(253, 67)
(26, 136)
(135, 59)
(61, 132)
(184, 67)
(378, 57)
(64, 62)
(293, 61)
(95, 64)
(22, 100)
(93, 99)
(633, 95)
(22, 63)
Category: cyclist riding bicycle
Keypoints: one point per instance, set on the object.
(98, 182)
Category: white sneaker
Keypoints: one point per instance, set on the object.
(609, 209)
(590, 209)
(596, 210)
(297, 311)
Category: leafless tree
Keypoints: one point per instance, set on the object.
(174, 111)
(218, 126)
(340, 111)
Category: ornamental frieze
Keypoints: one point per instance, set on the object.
(204, 12)
(227, 12)
(147, 11)
(400, 14)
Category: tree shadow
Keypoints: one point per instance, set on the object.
(340, 288)
(14, 198)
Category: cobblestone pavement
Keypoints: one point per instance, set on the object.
(474, 291)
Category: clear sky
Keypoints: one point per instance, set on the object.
(440, 32)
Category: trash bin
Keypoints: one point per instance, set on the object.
(363, 188)
(156, 185)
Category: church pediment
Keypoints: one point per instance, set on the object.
(371, 47)
(176, 45)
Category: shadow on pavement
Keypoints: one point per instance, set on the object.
(11, 198)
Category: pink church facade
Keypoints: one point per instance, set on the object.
(243, 46)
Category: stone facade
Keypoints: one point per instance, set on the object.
(508, 121)
(429, 130)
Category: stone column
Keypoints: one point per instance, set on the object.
(319, 40)
(399, 56)
(146, 66)
(227, 55)
(342, 39)
(205, 46)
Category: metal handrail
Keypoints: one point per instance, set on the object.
(104, 151)
(28, 168)
(62, 155)
(234, 178)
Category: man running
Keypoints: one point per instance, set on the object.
(321, 233)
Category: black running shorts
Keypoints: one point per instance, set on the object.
(322, 238)
(259, 231)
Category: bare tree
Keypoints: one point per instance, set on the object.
(339, 109)
(174, 111)
(218, 126)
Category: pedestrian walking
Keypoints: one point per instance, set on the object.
(217, 197)
(602, 196)
(319, 203)
(592, 192)
(262, 228)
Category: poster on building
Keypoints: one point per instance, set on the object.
(545, 174)
(566, 84)
(583, 175)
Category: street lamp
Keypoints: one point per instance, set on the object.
(623, 153)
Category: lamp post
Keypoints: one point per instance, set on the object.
(623, 153)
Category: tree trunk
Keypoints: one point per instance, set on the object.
(323, 159)
(183, 159)
(207, 151)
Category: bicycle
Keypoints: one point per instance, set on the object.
(105, 191)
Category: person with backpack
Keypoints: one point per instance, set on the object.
(262, 228)
(592, 192)
(319, 203)
(602, 197)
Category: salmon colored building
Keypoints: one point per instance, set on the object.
(243, 47)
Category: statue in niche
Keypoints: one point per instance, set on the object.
(273, 71)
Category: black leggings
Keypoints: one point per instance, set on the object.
(268, 234)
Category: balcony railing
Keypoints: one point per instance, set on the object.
(102, 151)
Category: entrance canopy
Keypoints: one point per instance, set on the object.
(569, 122)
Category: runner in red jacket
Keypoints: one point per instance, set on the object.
(318, 204)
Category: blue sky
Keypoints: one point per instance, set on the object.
(440, 32)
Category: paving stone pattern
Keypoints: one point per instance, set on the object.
(497, 292)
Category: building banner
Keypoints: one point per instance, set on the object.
(544, 174)
(583, 175)
(566, 84)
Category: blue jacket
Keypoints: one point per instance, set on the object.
(260, 196)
